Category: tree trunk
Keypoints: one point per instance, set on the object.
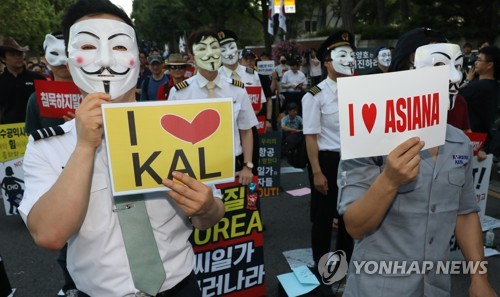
(346, 8)
(381, 12)
(404, 10)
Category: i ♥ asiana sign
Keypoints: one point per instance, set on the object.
(378, 112)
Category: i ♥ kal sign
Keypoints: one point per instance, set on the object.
(147, 141)
(378, 112)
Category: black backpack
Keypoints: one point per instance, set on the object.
(295, 150)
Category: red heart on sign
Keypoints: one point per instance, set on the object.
(203, 125)
(369, 115)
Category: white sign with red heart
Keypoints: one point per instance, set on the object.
(378, 112)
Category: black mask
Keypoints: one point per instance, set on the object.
(283, 62)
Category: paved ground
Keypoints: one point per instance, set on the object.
(35, 272)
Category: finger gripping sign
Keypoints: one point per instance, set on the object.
(147, 141)
(378, 112)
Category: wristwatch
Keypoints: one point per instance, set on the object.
(248, 164)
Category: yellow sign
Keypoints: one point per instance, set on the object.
(13, 141)
(146, 141)
(288, 4)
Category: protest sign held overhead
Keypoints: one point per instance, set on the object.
(391, 108)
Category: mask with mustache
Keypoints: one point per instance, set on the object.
(207, 54)
(103, 56)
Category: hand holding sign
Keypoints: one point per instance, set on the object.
(89, 123)
(194, 198)
(403, 162)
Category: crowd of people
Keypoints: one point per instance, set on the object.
(380, 207)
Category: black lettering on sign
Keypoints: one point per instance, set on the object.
(139, 169)
(203, 166)
(131, 128)
(179, 154)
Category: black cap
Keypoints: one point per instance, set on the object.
(410, 41)
(339, 38)
(247, 52)
(226, 36)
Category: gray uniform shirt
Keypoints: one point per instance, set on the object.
(419, 223)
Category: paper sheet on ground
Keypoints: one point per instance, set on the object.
(300, 192)
(299, 257)
(298, 282)
(488, 223)
(488, 252)
(289, 169)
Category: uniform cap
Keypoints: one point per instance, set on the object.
(339, 38)
(226, 36)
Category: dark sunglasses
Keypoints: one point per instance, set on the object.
(176, 67)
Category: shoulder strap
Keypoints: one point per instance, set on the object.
(314, 90)
(47, 132)
(181, 85)
(237, 83)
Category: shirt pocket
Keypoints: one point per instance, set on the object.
(100, 205)
(329, 109)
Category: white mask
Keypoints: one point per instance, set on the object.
(55, 51)
(343, 60)
(229, 52)
(384, 57)
(103, 56)
(443, 54)
(207, 54)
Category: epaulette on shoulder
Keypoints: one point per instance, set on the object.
(237, 83)
(181, 85)
(249, 70)
(47, 132)
(314, 90)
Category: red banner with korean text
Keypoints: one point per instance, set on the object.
(57, 98)
(477, 140)
(254, 92)
(230, 255)
(261, 128)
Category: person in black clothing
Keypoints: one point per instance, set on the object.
(16, 82)
(482, 95)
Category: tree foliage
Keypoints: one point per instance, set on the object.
(29, 21)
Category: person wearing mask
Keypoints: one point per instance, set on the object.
(322, 133)
(401, 208)
(209, 83)
(69, 199)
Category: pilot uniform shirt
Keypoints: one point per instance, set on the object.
(249, 77)
(96, 259)
(419, 223)
(243, 115)
(320, 115)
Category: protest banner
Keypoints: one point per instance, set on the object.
(13, 141)
(269, 164)
(477, 140)
(230, 255)
(146, 141)
(255, 93)
(265, 67)
(390, 108)
(57, 98)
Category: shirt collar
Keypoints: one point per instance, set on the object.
(202, 81)
(332, 84)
